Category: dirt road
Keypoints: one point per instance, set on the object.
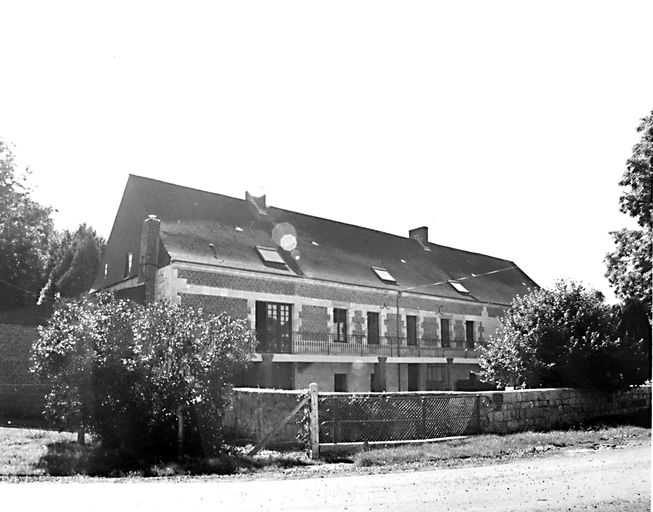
(610, 479)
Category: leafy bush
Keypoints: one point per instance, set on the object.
(564, 337)
(124, 372)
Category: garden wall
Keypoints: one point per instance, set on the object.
(20, 396)
(544, 409)
(256, 412)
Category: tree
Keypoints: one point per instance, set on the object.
(128, 373)
(25, 228)
(564, 337)
(629, 266)
(73, 263)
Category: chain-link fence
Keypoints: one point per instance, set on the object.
(395, 417)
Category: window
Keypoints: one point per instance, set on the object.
(384, 275)
(469, 334)
(436, 372)
(411, 329)
(106, 270)
(269, 255)
(128, 264)
(444, 332)
(458, 287)
(273, 326)
(340, 323)
(372, 328)
(340, 382)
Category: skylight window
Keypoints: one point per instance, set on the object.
(384, 275)
(269, 255)
(238, 228)
(458, 287)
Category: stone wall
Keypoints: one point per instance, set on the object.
(256, 412)
(20, 396)
(545, 409)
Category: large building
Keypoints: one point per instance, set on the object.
(350, 308)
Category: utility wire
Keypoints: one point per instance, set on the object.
(472, 276)
(34, 294)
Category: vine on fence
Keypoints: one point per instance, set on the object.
(304, 433)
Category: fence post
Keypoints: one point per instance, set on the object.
(478, 414)
(314, 422)
(423, 417)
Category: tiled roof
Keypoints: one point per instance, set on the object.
(328, 250)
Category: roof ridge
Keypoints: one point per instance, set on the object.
(145, 178)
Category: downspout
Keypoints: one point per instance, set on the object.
(397, 338)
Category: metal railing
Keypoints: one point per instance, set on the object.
(359, 345)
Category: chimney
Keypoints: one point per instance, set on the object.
(257, 202)
(149, 257)
(421, 235)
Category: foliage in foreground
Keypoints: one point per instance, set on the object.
(126, 373)
(567, 337)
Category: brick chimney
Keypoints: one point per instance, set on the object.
(149, 257)
(258, 203)
(421, 235)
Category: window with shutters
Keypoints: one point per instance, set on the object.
(372, 328)
(273, 326)
(340, 324)
(469, 334)
(444, 332)
(411, 330)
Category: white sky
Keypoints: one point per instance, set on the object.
(502, 126)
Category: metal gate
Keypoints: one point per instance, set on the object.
(347, 418)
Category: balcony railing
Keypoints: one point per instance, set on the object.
(359, 345)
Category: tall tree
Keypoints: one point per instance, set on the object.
(25, 227)
(629, 265)
(74, 261)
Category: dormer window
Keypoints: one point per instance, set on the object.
(384, 275)
(269, 255)
(459, 287)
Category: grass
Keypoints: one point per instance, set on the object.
(36, 452)
(29, 452)
(21, 449)
(497, 447)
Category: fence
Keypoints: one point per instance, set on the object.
(347, 418)
(341, 418)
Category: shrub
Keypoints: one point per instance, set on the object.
(563, 337)
(126, 372)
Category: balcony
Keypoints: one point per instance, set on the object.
(358, 345)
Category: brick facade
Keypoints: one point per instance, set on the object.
(213, 304)
(431, 329)
(358, 323)
(326, 291)
(314, 319)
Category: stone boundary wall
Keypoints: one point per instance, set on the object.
(254, 413)
(546, 409)
(20, 396)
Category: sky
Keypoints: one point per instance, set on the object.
(504, 127)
